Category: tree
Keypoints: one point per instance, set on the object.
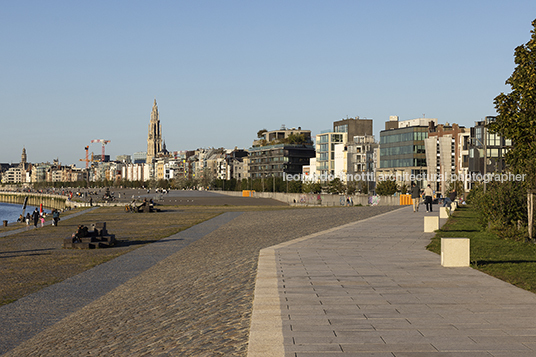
(260, 133)
(351, 187)
(336, 186)
(386, 188)
(295, 186)
(312, 187)
(516, 119)
(458, 186)
(295, 139)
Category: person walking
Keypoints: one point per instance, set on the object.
(35, 217)
(415, 197)
(55, 217)
(428, 194)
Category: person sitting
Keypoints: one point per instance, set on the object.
(450, 198)
(81, 232)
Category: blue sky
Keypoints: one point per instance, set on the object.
(74, 71)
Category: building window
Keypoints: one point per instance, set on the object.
(341, 128)
(336, 138)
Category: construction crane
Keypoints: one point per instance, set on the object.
(87, 159)
(104, 142)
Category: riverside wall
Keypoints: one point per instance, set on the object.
(307, 199)
(35, 199)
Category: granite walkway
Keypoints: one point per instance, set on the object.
(370, 288)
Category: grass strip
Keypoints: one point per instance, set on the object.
(34, 259)
(510, 261)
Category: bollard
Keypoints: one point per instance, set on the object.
(431, 224)
(455, 252)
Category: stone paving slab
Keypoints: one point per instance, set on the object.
(370, 288)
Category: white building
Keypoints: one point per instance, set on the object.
(14, 175)
(325, 152)
(135, 172)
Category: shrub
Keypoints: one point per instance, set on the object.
(501, 207)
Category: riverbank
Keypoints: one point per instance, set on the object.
(11, 212)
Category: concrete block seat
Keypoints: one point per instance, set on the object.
(90, 238)
(443, 212)
(455, 252)
(431, 224)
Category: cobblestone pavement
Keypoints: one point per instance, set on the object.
(183, 198)
(53, 303)
(196, 302)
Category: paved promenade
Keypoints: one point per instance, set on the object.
(188, 295)
(370, 288)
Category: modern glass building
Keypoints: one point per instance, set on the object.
(487, 150)
(279, 159)
(402, 150)
(403, 147)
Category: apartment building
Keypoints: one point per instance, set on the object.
(443, 154)
(402, 149)
(280, 152)
(487, 150)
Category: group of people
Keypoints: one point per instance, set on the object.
(428, 196)
(39, 217)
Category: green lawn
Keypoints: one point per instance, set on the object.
(513, 262)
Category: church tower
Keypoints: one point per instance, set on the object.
(154, 140)
(23, 157)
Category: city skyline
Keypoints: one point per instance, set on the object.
(75, 72)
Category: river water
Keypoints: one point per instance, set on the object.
(10, 212)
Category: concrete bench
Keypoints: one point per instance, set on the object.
(443, 212)
(431, 224)
(97, 237)
(455, 252)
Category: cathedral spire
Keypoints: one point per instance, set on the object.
(154, 139)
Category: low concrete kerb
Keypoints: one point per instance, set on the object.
(266, 329)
